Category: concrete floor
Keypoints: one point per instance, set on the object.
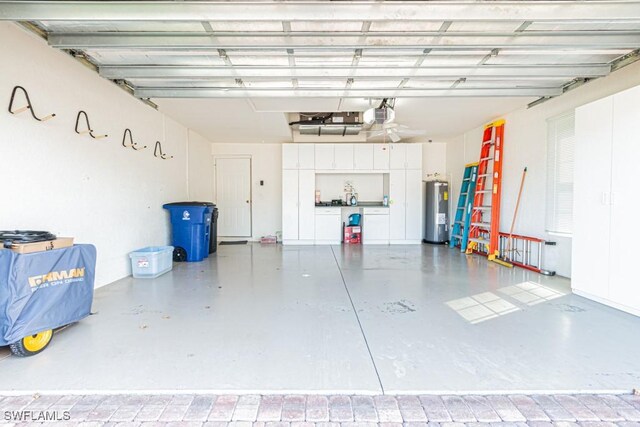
(393, 319)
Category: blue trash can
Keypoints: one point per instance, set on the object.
(191, 230)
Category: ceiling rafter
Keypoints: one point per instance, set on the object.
(556, 11)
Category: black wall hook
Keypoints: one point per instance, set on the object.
(27, 107)
(88, 130)
(158, 149)
(131, 143)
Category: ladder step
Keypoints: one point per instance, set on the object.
(482, 159)
(484, 175)
(477, 240)
(483, 191)
(463, 194)
(491, 141)
(486, 225)
(482, 208)
(460, 207)
(466, 179)
(459, 222)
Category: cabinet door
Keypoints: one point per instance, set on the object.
(414, 156)
(328, 228)
(398, 156)
(624, 286)
(306, 204)
(289, 156)
(591, 194)
(343, 156)
(306, 156)
(363, 156)
(375, 228)
(381, 156)
(397, 205)
(324, 156)
(414, 204)
(290, 204)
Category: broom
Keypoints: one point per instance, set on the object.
(504, 261)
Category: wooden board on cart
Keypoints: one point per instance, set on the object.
(47, 245)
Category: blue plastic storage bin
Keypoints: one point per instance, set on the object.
(151, 262)
(191, 229)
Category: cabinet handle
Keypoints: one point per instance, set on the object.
(611, 198)
(604, 198)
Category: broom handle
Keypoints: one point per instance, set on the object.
(515, 213)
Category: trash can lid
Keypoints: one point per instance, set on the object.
(189, 204)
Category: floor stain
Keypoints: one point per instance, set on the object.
(399, 307)
(570, 308)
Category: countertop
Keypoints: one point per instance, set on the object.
(359, 205)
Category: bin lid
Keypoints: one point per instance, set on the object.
(189, 204)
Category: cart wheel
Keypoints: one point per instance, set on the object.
(33, 344)
(179, 254)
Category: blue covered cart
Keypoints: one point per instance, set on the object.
(42, 291)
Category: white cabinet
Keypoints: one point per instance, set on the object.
(363, 156)
(343, 156)
(625, 204)
(406, 156)
(289, 204)
(414, 156)
(397, 204)
(306, 204)
(298, 204)
(398, 156)
(324, 156)
(381, 157)
(290, 156)
(605, 201)
(414, 205)
(306, 156)
(375, 226)
(298, 156)
(328, 227)
(592, 186)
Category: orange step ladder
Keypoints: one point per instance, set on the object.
(484, 232)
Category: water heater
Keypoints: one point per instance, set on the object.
(436, 228)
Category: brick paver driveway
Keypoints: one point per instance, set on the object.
(325, 411)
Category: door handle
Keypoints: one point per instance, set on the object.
(248, 201)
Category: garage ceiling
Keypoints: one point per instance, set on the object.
(345, 51)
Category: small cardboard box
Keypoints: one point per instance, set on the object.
(47, 245)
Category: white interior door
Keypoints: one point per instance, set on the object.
(397, 205)
(233, 190)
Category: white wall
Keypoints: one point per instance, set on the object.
(94, 190)
(525, 145)
(200, 169)
(266, 165)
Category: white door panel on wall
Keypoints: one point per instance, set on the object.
(343, 156)
(306, 204)
(625, 202)
(414, 204)
(289, 204)
(398, 156)
(363, 156)
(591, 195)
(289, 156)
(233, 189)
(414, 156)
(381, 156)
(306, 156)
(397, 206)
